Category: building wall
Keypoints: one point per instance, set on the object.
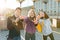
(52, 7)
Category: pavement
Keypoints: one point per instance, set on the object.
(56, 33)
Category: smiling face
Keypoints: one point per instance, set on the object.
(17, 12)
(31, 13)
(42, 14)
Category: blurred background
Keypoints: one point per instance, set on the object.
(51, 7)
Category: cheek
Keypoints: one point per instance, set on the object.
(32, 14)
(18, 11)
(15, 11)
(42, 15)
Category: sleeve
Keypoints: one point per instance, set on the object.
(26, 20)
(50, 22)
(20, 21)
(9, 24)
(40, 21)
(36, 24)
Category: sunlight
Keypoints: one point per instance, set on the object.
(13, 4)
(27, 3)
(2, 4)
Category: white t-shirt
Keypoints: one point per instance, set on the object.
(47, 26)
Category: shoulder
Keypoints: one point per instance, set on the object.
(41, 20)
(10, 17)
(47, 19)
(26, 18)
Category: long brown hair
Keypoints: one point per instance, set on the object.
(46, 16)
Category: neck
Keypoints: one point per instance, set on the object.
(16, 16)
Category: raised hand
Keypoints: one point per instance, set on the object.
(22, 17)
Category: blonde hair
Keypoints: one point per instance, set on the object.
(30, 12)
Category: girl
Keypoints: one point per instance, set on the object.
(46, 29)
(30, 25)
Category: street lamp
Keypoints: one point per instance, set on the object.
(20, 1)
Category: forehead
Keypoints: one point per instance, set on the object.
(41, 12)
(17, 10)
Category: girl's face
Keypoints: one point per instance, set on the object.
(32, 14)
(41, 14)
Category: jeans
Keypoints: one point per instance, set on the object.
(17, 38)
(51, 37)
(29, 36)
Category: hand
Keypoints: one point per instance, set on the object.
(17, 19)
(15, 22)
(21, 17)
(38, 17)
(35, 21)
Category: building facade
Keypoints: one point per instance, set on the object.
(52, 7)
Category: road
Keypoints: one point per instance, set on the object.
(3, 35)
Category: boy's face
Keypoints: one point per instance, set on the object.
(17, 12)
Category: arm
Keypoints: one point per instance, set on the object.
(9, 24)
(21, 18)
(24, 25)
(50, 22)
(42, 23)
(37, 19)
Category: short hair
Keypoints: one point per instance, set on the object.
(18, 8)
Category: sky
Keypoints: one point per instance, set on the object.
(13, 4)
